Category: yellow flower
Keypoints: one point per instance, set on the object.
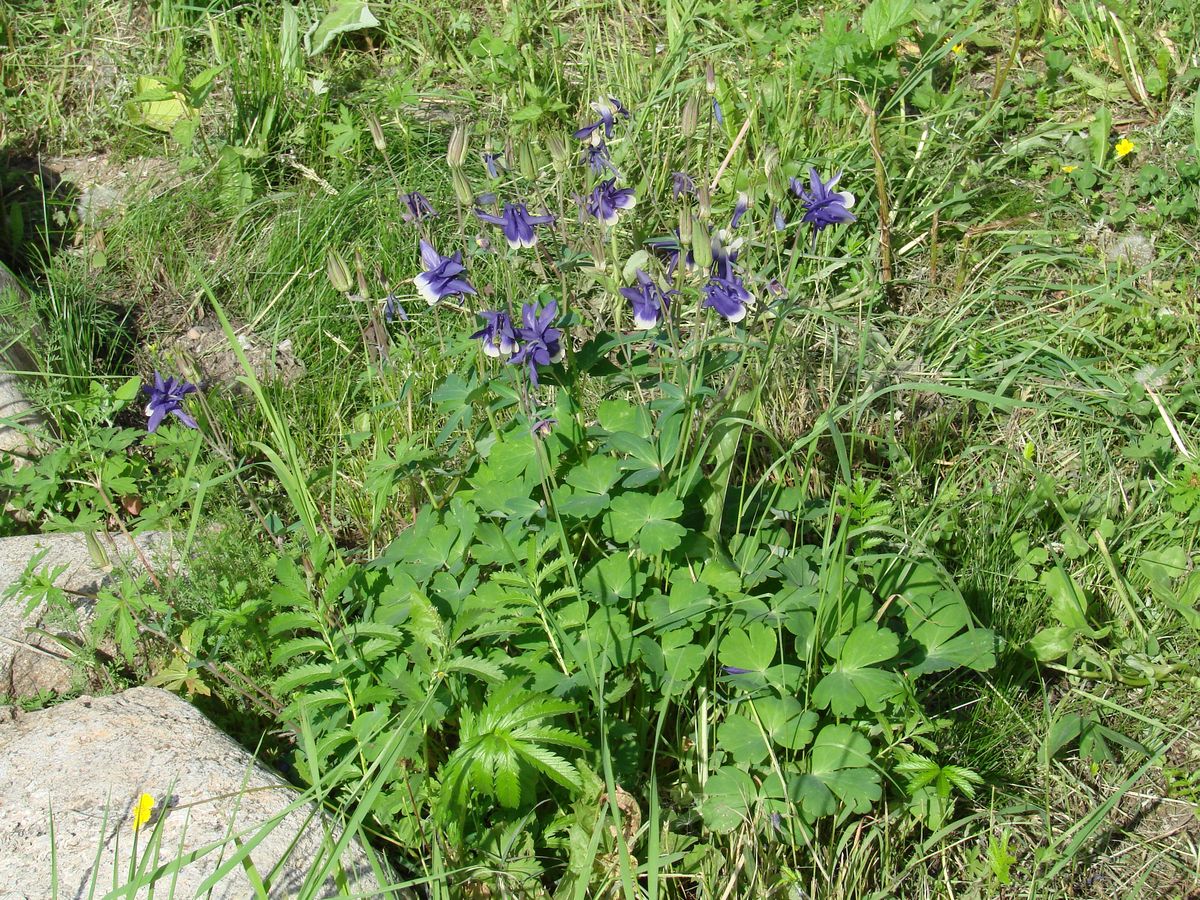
(142, 810)
(958, 49)
(1069, 169)
(1124, 147)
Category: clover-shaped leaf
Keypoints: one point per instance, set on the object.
(839, 770)
(749, 649)
(646, 520)
(853, 681)
(729, 795)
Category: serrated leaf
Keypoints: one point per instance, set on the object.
(854, 682)
(646, 521)
(883, 19)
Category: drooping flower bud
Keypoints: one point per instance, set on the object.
(710, 79)
(685, 224)
(525, 161)
(701, 244)
(770, 159)
(691, 116)
(462, 187)
(376, 134)
(339, 274)
(559, 153)
(703, 200)
(456, 150)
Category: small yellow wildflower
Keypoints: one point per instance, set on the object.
(1124, 147)
(142, 810)
(1069, 169)
(958, 49)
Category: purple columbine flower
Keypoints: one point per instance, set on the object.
(516, 223)
(392, 309)
(736, 670)
(490, 160)
(717, 114)
(597, 158)
(441, 278)
(498, 336)
(607, 199)
(542, 427)
(167, 397)
(671, 248)
(780, 221)
(728, 296)
(415, 207)
(540, 344)
(649, 301)
(739, 209)
(681, 183)
(607, 110)
(823, 206)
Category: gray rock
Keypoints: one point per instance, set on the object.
(32, 661)
(17, 416)
(87, 761)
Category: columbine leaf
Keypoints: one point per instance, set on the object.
(751, 648)
(742, 739)
(839, 769)
(787, 721)
(854, 682)
(728, 796)
(645, 521)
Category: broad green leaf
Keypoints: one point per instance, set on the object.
(854, 682)
(1054, 643)
(786, 721)
(154, 106)
(621, 415)
(343, 17)
(616, 577)
(683, 660)
(840, 767)
(646, 521)
(596, 476)
(1067, 602)
(883, 19)
(975, 649)
(751, 648)
(742, 739)
(729, 795)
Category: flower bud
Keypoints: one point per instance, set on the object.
(559, 152)
(770, 160)
(691, 115)
(462, 187)
(376, 134)
(335, 268)
(701, 244)
(358, 271)
(525, 161)
(703, 200)
(685, 224)
(710, 79)
(456, 151)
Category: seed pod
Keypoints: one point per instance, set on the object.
(376, 134)
(462, 187)
(335, 268)
(559, 153)
(525, 161)
(685, 224)
(710, 79)
(701, 244)
(691, 115)
(358, 271)
(456, 151)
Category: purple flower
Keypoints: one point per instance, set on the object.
(542, 427)
(780, 221)
(540, 343)
(490, 160)
(727, 295)
(517, 224)
(717, 114)
(597, 158)
(739, 209)
(607, 199)
(735, 670)
(681, 183)
(648, 299)
(392, 309)
(441, 276)
(167, 397)
(498, 336)
(607, 110)
(823, 206)
(671, 248)
(416, 208)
